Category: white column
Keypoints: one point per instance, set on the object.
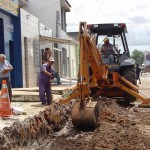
(70, 65)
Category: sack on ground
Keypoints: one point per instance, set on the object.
(17, 110)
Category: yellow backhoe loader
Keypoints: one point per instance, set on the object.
(98, 76)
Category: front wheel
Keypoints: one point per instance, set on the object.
(129, 74)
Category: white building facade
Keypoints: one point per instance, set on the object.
(31, 29)
(52, 13)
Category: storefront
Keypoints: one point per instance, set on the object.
(10, 39)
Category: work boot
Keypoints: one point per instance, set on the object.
(43, 104)
(49, 103)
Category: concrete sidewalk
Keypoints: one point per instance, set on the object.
(28, 100)
(32, 94)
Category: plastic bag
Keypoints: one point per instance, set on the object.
(17, 110)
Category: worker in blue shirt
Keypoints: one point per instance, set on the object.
(45, 77)
(45, 57)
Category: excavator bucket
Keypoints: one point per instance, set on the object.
(86, 117)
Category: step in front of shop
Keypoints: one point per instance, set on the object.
(23, 96)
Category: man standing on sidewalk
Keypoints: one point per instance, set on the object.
(5, 68)
(46, 55)
(46, 74)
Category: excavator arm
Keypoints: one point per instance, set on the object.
(84, 110)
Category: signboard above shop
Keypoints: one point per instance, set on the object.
(9, 6)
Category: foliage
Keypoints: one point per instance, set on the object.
(138, 56)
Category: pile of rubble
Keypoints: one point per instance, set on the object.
(119, 127)
(21, 134)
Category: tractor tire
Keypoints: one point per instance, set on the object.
(129, 74)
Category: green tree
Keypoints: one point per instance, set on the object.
(138, 56)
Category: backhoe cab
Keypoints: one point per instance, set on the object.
(116, 34)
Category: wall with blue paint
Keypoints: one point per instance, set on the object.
(10, 44)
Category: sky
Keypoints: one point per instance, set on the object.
(135, 13)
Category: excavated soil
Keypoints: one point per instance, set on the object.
(119, 127)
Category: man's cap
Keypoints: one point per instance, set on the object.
(51, 59)
(106, 39)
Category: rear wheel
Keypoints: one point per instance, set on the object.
(129, 74)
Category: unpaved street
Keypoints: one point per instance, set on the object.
(120, 127)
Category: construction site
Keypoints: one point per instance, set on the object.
(74, 75)
(104, 109)
(119, 126)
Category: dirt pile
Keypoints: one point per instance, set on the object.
(119, 128)
(146, 69)
(21, 134)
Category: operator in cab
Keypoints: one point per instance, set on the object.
(108, 50)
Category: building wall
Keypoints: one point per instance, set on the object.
(30, 45)
(74, 54)
(53, 15)
(6, 35)
(73, 59)
(45, 12)
(31, 28)
(10, 43)
(45, 31)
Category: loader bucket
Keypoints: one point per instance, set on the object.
(85, 118)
